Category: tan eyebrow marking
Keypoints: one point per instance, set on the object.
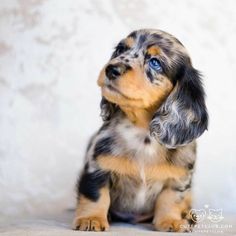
(129, 42)
(153, 50)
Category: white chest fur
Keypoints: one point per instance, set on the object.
(144, 148)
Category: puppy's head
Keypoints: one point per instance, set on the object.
(151, 68)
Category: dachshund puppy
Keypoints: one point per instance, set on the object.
(139, 165)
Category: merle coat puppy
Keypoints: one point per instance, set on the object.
(139, 164)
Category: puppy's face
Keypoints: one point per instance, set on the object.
(151, 70)
(143, 69)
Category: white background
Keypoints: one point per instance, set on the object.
(51, 52)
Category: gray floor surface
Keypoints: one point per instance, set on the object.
(60, 225)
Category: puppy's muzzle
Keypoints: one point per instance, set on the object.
(114, 71)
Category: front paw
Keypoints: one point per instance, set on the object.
(90, 224)
(173, 225)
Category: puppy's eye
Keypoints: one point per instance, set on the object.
(155, 64)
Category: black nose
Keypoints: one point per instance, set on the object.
(114, 71)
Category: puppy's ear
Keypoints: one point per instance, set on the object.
(183, 116)
(107, 109)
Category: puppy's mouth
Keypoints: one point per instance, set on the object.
(115, 90)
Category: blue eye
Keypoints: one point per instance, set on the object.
(155, 64)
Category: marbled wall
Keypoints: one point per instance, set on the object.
(51, 52)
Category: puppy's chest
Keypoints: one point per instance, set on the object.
(137, 143)
(132, 195)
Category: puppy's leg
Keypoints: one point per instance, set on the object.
(172, 211)
(93, 203)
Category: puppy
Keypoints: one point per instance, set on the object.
(139, 165)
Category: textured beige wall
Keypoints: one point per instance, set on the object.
(51, 52)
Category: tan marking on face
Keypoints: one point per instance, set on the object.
(93, 214)
(154, 50)
(129, 42)
(153, 172)
(135, 95)
(101, 77)
(134, 90)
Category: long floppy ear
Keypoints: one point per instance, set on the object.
(107, 109)
(183, 116)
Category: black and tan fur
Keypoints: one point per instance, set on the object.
(139, 165)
